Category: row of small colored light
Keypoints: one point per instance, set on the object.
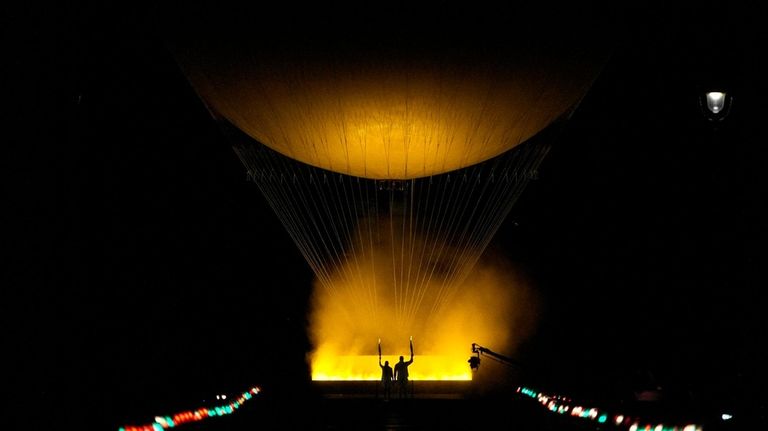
(164, 422)
(562, 405)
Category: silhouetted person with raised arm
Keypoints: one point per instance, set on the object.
(386, 375)
(386, 378)
(401, 374)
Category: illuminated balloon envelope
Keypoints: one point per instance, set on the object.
(397, 97)
(391, 155)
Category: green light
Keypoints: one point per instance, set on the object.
(602, 418)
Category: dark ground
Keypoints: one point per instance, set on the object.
(357, 407)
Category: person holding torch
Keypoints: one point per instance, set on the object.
(386, 375)
(401, 373)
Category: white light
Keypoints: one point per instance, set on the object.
(619, 419)
(218, 397)
(715, 101)
(690, 428)
(726, 416)
(659, 427)
(633, 427)
(223, 397)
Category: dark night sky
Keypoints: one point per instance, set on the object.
(137, 252)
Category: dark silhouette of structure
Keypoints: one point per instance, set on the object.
(474, 361)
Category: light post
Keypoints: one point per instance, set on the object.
(715, 105)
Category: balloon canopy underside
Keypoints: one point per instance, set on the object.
(395, 104)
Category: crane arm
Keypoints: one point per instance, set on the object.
(478, 349)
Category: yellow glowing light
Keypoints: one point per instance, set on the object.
(362, 315)
(365, 367)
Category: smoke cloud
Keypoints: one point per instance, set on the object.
(397, 285)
